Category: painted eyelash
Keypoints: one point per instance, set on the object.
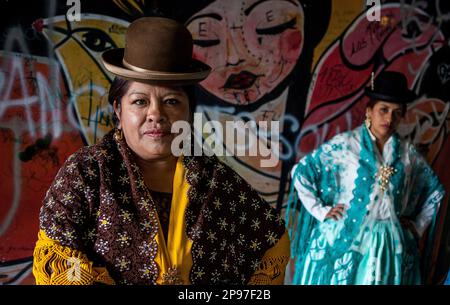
(206, 43)
(268, 31)
(278, 28)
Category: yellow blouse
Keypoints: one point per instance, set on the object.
(55, 264)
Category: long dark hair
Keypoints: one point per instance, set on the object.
(120, 86)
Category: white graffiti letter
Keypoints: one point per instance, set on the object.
(181, 143)
(74, 12)
(272, 149)
(213, 143)
(373, 13)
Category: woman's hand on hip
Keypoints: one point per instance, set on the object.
(336, 212)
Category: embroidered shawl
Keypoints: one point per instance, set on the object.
(99, 204)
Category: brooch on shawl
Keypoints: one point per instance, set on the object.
(171, 277)
(384, 174)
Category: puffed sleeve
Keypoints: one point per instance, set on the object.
(306, 178)
(54, 264)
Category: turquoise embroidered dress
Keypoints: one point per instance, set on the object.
(368, 245)
(447, 281)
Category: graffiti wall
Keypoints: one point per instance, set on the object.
(304, 63)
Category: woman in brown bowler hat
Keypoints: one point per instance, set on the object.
(128, 211)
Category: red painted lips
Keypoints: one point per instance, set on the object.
(243, 80)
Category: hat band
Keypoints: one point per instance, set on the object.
(152, 74)
(138, 69)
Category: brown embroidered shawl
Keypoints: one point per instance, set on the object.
(100, 205)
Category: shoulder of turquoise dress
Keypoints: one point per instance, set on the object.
(332, 148)
(411, 149)
(339, 142)
(418, 161)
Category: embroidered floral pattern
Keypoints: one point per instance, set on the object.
(227, 218)
(119, 220)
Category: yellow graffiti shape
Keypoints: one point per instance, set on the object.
(78, 47)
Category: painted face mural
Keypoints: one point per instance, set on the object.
(251, 45)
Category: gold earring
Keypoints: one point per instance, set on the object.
(368, 122)
(372, 81)
(118, 134)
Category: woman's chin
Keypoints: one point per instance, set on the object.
(383, 132)
(155, 149)
(157, 155)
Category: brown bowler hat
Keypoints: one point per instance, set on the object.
(157, 50)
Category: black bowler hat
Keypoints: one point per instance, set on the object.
(390, 86)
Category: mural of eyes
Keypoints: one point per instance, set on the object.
(277, 29)
(78, 46)
(96, 40)
(259, 47)
(205, 43)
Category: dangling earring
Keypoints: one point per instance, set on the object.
(372, 81)
(368, 122)
(118, 134)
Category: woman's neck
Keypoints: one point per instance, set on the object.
(158, 174)
(380, 144)
(380, 141)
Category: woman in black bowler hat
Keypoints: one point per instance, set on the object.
(367, 197)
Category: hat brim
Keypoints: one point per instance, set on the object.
(404, 98)
(112, 60)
